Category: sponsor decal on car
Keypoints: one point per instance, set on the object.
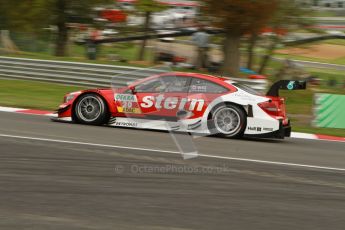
(259, 129)
(291, 85)
(127, 103)
(255, 129)
(126, 124)
(160, 102)
(198, 88)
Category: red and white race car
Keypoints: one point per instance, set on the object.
(186, 102)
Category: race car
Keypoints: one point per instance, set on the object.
(184, 102)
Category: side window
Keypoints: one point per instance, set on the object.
(163, 84)
(175, 84)
(151, 86)
(204, 86)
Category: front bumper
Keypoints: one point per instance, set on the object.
(63, 109)
(63, 114)
(61, 119)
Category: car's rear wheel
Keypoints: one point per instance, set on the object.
(91, 109)
(228, 121)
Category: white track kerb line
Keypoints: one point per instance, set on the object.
(174, 152)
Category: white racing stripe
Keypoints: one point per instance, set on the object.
(304, 136)
(175, 152)
(84, 143)
(9, 109)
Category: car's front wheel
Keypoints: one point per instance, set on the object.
(228, 121)
(91, 109)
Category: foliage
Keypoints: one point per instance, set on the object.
(289, 16)
(25, 16)
(237, 18)
(149, 6)
(32, 16)
(240, 16)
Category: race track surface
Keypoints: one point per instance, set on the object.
(68, 176)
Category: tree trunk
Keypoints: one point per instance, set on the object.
(232, 55)
(268, 55)
(143, 43)
(252, 43)
(62, 33)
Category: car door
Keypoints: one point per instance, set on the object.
(156, 98)
(165, 103)
(128, 102)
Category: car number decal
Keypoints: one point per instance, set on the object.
(127, 103)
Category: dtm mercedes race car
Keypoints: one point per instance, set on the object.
(184, 102)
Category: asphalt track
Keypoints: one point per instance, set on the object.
(66, 176)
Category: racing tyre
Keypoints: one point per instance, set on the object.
(91, 109)
(227, 121)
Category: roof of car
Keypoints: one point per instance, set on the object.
(199, 75)
(216, 79)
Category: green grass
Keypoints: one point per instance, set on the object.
(326, 75)
(315, 130)
(125, 51)
(324, 13)
(339, 61)
(299, 106)
(298, 102)
(340, 42)
(31, 94)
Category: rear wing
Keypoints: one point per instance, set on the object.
(285, 85)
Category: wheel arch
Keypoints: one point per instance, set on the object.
(241, 106)
(106, 103)
(210, 122)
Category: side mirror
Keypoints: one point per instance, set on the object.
(132, 88)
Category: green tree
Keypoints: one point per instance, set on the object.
(34, 15)
(237, 18)
(25, 16)
(289, 16)
(66, 11)
(252, 41)
(147, 7)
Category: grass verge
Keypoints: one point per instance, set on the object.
(31, 94)
(338, 61)
(124, 51)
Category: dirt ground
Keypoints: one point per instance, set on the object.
(322, 51)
